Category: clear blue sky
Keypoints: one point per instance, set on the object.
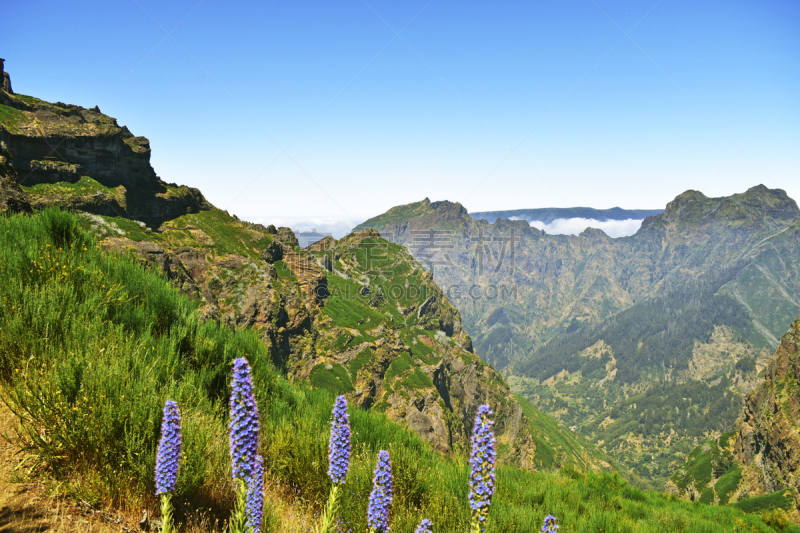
(319, 110)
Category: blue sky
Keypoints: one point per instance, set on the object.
(335, 111)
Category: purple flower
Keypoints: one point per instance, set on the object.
(482, 459)
(169, 449)
(424, 527)
(339, 447)
(244, 422)
(381, 497)
(255, 496)
(549, 524)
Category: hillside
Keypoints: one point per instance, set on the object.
(756, 465)
(636, 341)
(91, 344)
(357, 316)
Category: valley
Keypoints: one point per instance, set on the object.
(612, 366)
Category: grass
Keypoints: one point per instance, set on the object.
(30, 100)
(399, 366)
(351, 313)
(335, 379)
(396, 215)
(227, 235)
(727, 485)
(781, 499)
(83, 187)
(93, 343)
(12, 119)
(355, 364)
(417, 380)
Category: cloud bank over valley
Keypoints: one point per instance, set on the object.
(574, 226)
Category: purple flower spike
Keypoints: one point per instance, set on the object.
(381, 497)
(424, 527)
(549, 524)
(255, 496)
(244, 421)
(339, 447)
(482, 459)
(169, 449)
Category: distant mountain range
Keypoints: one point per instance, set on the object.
(645, 343)
(548, 215)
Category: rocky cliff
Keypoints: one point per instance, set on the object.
(12, 198)
(755, 466)
(53, 143)
(768, 439)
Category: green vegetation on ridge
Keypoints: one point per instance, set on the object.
(93, 343)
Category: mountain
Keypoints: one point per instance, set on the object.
(636, 341)
(755, 466)
(51, 147)
(357, 316)
(548, 215)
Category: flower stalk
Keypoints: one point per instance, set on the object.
(167, 461)
(380, 499)
(246, 464)
(338, 461)
(481, 476)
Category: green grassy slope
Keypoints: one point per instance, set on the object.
(396, 215)
(92, 343)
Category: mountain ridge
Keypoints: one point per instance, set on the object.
(653, 297)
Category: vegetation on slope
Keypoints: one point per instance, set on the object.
(645, 344)
(92, 343)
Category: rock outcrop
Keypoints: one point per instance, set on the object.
(60, 143)
(5, 79)
(12, 198)
(768, 440)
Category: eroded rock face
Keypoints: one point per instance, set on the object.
(436, 395)
(59, 143)
(769, 432)
(12, 198)
(273, 252)
(5, 79)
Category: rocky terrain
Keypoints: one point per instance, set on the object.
(357, 316)
(758, 461)
(62, 143)
(635, 341)
(768, 437)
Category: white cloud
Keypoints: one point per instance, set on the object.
(574, 226)
(336, 226)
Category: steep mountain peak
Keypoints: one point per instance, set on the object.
(686, 206)
(758, 206)
(446, 204)
(433, 212)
